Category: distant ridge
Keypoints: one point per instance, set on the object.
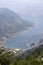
(11, 24)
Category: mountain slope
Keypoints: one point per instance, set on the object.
(11, 24)
(36, 52)
(34, 58)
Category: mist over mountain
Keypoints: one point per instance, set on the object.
(11, 23)
(31, 13)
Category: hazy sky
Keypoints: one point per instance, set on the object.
(18, 5)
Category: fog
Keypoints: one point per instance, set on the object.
(18, 5)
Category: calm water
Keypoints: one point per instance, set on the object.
(27, 37)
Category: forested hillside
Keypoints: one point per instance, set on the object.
(33, 58)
